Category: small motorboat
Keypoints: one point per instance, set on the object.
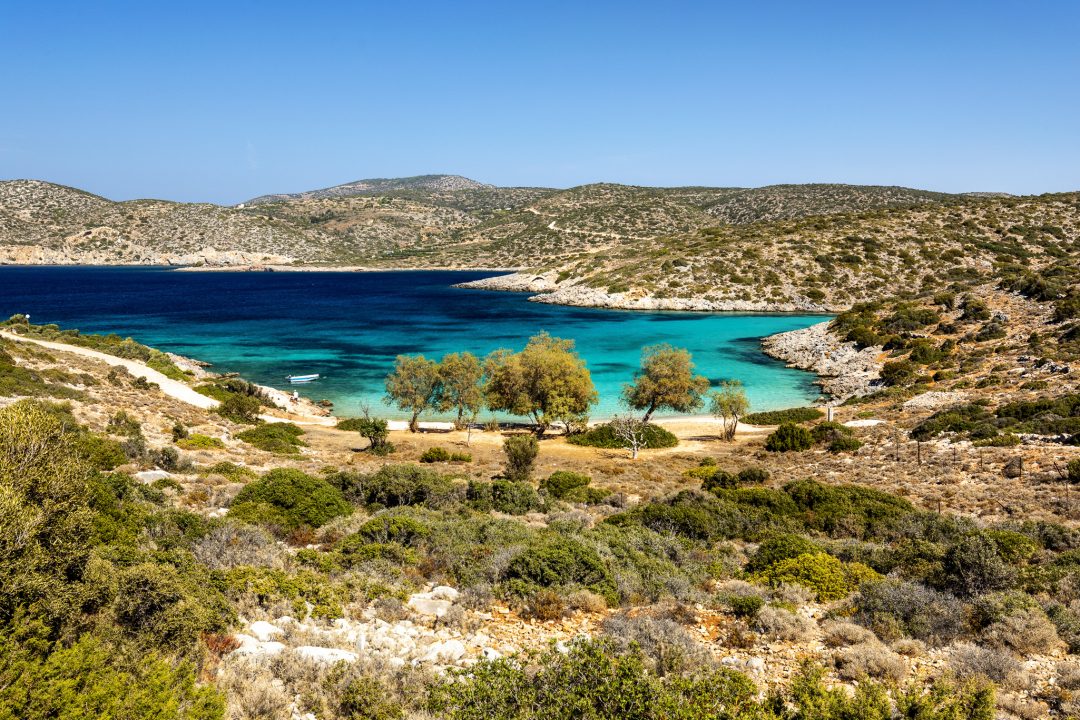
(302, 378)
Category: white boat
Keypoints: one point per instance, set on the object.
(302, 378)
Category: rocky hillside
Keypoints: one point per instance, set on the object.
(380, 186)
(42, 223)
(784, 247)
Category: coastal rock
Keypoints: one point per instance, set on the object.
(844, 371)
(551, 291)
(516, 282)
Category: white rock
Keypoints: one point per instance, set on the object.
(428, 606)
(755, 664)
(149, 476)
(327, 655)
(253, 647)
(489, 653)
(445, 592)
(445, 652)
(264, 631)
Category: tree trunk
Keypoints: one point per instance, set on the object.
(648, 414)
(414, 424)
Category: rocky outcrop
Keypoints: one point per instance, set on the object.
(126, 253)
(515, 282)
(844, 371)
(550, 291)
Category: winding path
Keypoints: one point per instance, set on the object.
(172, 388)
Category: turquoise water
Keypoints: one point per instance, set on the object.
(350, 326)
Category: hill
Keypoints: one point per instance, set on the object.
(380, 186)
(783, 247)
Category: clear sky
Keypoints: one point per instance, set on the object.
(227, 100)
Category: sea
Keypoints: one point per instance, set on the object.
(349, 326)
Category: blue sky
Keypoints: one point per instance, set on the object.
(224, 101)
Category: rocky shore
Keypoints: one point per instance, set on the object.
(843, 370)
(550, 291)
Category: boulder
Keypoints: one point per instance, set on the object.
(149, 476)
(326, 655)
(264, 631)
(429, 606)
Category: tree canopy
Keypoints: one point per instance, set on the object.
(413, 386)
(547, 381)
(666, 380)
(460, 375)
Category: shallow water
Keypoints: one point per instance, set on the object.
(350, 326)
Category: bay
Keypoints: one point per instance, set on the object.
(349, 327)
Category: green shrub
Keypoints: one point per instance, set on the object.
(778, 417)
(395, 485)
(845, 444)
(974, 565)
(100, 452)
(505, 496)
(604, 436)
(197, 441)
(91, 678)
(561, 482)
(744, 605)
(554, 560)
(1072, 471)
(240, 408)
(376, 430)
(123, 424)
(279, 438)
(231, 471)
(789, 437)
(753, 476)
(435, 454)
(780, 547)
(521, 452)
(158, 605)
(899, 372)
(895, 608)
(851, 510)
(587, 495)
(387, 528)
(289, 499)
(829, 578)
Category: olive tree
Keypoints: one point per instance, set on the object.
(666, 380)
(729, 403)
(547, 381)
(461, 375)
(413, 386)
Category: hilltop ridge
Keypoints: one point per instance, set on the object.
(815, 247)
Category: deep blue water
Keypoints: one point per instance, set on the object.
(350, 326)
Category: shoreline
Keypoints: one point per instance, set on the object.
(841, 370)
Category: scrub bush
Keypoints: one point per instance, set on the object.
(896, 608)
(521, 452)
(278, 438)
(780, 547)
(505, 496)
(395, 485)
(289, 499)
(789, 437)
(561, 482)
(779, 417)
(604, 436)
(829, 578)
